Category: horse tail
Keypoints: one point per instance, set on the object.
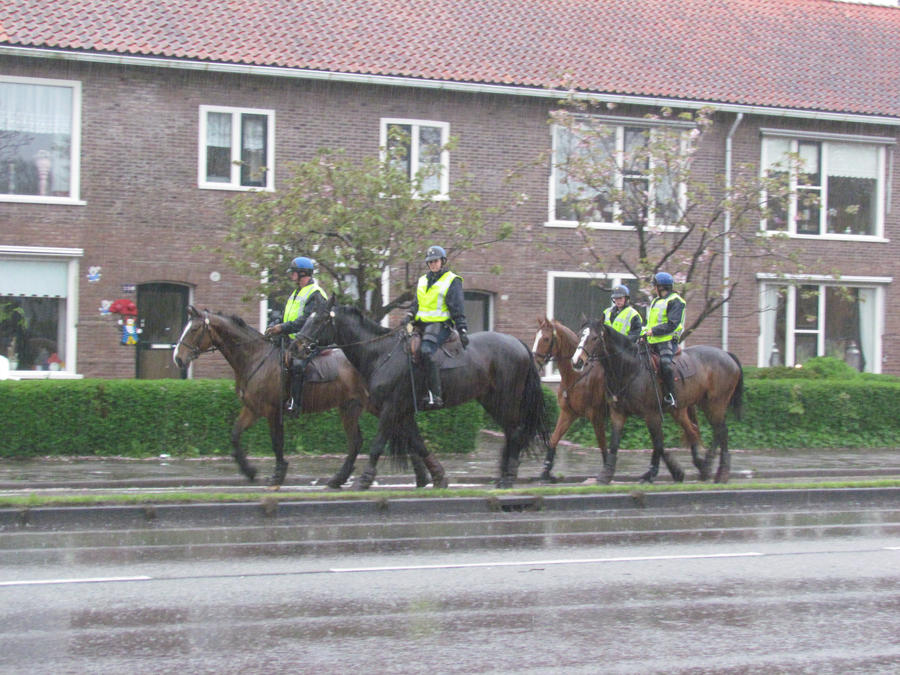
(737, 398)
(533, 409)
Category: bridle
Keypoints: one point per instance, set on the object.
(547, 357)
(193, 350)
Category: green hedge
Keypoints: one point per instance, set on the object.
(825, 407)
(143, 418)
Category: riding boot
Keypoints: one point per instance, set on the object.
(296, 400)
(434, 401)
(668, 378)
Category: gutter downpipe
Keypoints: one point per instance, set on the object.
(726, 264)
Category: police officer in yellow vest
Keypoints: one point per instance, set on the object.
(621, 316)
(438, 307)
(665, 324)
(306, 299)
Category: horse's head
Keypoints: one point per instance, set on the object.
(319, 327)
(546, 342)
(196, 338)
(591, 345)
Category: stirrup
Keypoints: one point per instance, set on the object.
(433, 402)
(669, 400)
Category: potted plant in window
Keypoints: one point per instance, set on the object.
(12, 322)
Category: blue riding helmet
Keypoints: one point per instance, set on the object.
(435, 253)
(664, 279)
(301, 264)
(621, 291)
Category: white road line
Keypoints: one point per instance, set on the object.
(534, 563)
(48, 582)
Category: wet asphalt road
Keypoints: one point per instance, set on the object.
(828, 604)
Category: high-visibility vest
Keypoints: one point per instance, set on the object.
(293, 310)
(623, 319)
(658, 313)
(433, 300)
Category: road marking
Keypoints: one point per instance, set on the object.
(530, 563)
(94, 580)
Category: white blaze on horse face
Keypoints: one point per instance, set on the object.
(537, 339)
(184, 333)
(579, 355)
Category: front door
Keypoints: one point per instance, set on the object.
(162, 313)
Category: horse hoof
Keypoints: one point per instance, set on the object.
(604, 478)
(678, 477)
(647, 478)
(441, 483)
(250, 472)
(547, 477)
(334, 484)
(722, 476)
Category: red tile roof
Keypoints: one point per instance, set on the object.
(804, 54)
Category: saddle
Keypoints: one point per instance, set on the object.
(323, 366)
(450, 349)
(682, 362)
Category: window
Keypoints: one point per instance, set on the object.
(419, 149)
(608, 175)
(38, 310)
(837, 185)
(236, 149)
(804, 319)
(40, 124)
(478, 310)
(572, 296)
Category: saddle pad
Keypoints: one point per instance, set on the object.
(324, 366)
(685, 365)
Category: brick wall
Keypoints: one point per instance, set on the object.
(145, 217)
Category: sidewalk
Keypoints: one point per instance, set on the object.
(574, 464)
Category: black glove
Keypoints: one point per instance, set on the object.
(464, 337)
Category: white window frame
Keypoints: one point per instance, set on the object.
(764, 281)
(74, 149)
(881, 143)
(619, 124)
(72, 256)
(549, 374)
(416, 125)
(235, 183)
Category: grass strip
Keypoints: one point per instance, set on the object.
(34, 500)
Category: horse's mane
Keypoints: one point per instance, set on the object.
(618, 344)
(238, 322)
(363, 320)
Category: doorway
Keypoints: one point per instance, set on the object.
(162, 313)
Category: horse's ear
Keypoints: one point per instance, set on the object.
(192, 312)
(331, 302)
(584, 319)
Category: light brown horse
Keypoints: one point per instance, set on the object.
(257, 365)
(708, 378)
(580, 394)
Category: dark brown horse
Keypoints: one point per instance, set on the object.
(580, 394)
(707, 377)
(495, 369)
(258, 379)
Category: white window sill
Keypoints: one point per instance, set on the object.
(829, 237)
(43, 375)
(234, 188)
(36, 199)
(615, 227)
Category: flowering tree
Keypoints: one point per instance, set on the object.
(357, 218)
(642, 181)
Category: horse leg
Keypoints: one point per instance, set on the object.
(720, 432)
(350, 414)
(654, 426)
(599, 423)
(367, 477)
(426, 465)
(566, 418)
(276, 433)
(245, 418)
(609, 461)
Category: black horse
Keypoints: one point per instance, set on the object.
(496, 369)
(707, 377)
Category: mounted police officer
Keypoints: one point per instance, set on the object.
(621, 316)
(437, 309)
(307, 298)
(665, 324)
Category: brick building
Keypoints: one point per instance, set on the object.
(119, 124)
